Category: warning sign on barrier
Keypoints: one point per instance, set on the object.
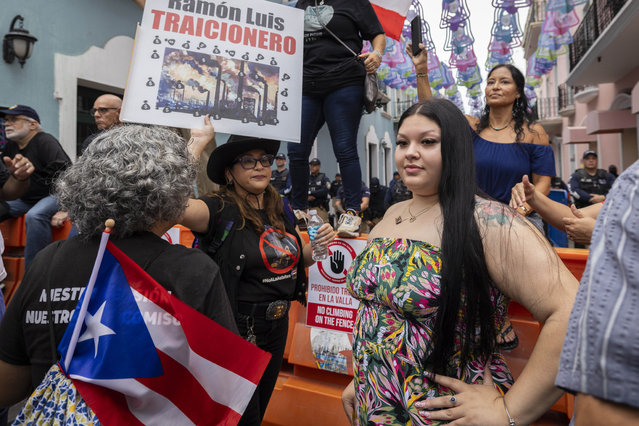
(330, 305)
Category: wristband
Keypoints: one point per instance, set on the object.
(511, 421)
(422, 74)
(379, 55)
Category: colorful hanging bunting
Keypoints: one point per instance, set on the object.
(553, 41)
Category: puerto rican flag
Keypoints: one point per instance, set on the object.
(391, 14)
(144, 357)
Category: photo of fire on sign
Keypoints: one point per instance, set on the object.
(224, 87)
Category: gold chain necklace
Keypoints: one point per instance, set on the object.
(501, 128)
(412, 217)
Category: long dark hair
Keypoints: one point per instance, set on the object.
(521, 114)
(465, 282)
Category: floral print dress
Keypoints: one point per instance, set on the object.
(397, 282)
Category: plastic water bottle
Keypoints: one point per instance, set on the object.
(320, 250)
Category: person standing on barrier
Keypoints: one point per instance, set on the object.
(250, 232)
(333, 93)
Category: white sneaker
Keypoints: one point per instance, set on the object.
(302, 219)
(348, 225)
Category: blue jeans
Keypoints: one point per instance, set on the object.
(341, 110)
(37, 221)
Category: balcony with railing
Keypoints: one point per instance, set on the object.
(604, 43)
(536, 16)
(566, 100)
(547, 114)
(596, 19)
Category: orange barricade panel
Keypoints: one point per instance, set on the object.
(15, 270)
(62, 232)
(518, 311)
(296, 312)
(13, 265)
(574, 259)
(302, 401)
(527, 331)
(301, 352)
(13, 232)
(186, 236)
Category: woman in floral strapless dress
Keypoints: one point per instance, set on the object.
(434, 282)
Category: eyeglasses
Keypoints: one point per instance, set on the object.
(13, 119)
(102, 111)
(248, 162)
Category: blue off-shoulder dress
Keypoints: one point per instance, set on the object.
(499, 166)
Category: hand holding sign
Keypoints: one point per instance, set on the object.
(337, 262)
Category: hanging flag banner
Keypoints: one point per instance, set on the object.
(240, 62)
(330, 305)
(391, 14)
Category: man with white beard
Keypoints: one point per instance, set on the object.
(46, 156)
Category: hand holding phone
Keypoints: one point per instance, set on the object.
(416, 34)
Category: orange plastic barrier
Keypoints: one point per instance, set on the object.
(15, 270)
(574, 259)
(13, 232)
(62, 232)
(186, 236)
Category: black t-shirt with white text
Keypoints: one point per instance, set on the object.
(62, 269)
(328, 65)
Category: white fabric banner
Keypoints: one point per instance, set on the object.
(241, 62)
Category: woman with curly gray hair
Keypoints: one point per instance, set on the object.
(141, 177)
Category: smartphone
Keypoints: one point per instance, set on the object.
(416, 34)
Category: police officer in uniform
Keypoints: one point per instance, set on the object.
(318, 187)
(590, 184)
(377, 206)
(280, 178)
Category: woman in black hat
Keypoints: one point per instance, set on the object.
(250, 232)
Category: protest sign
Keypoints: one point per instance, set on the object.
(240, 62)
(330, 305)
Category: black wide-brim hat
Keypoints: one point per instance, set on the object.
(223, 155)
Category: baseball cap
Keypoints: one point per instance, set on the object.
(315, 161)
(589, 152)
(281, 156)
(27, 111)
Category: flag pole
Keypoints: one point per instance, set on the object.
(109, 224)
